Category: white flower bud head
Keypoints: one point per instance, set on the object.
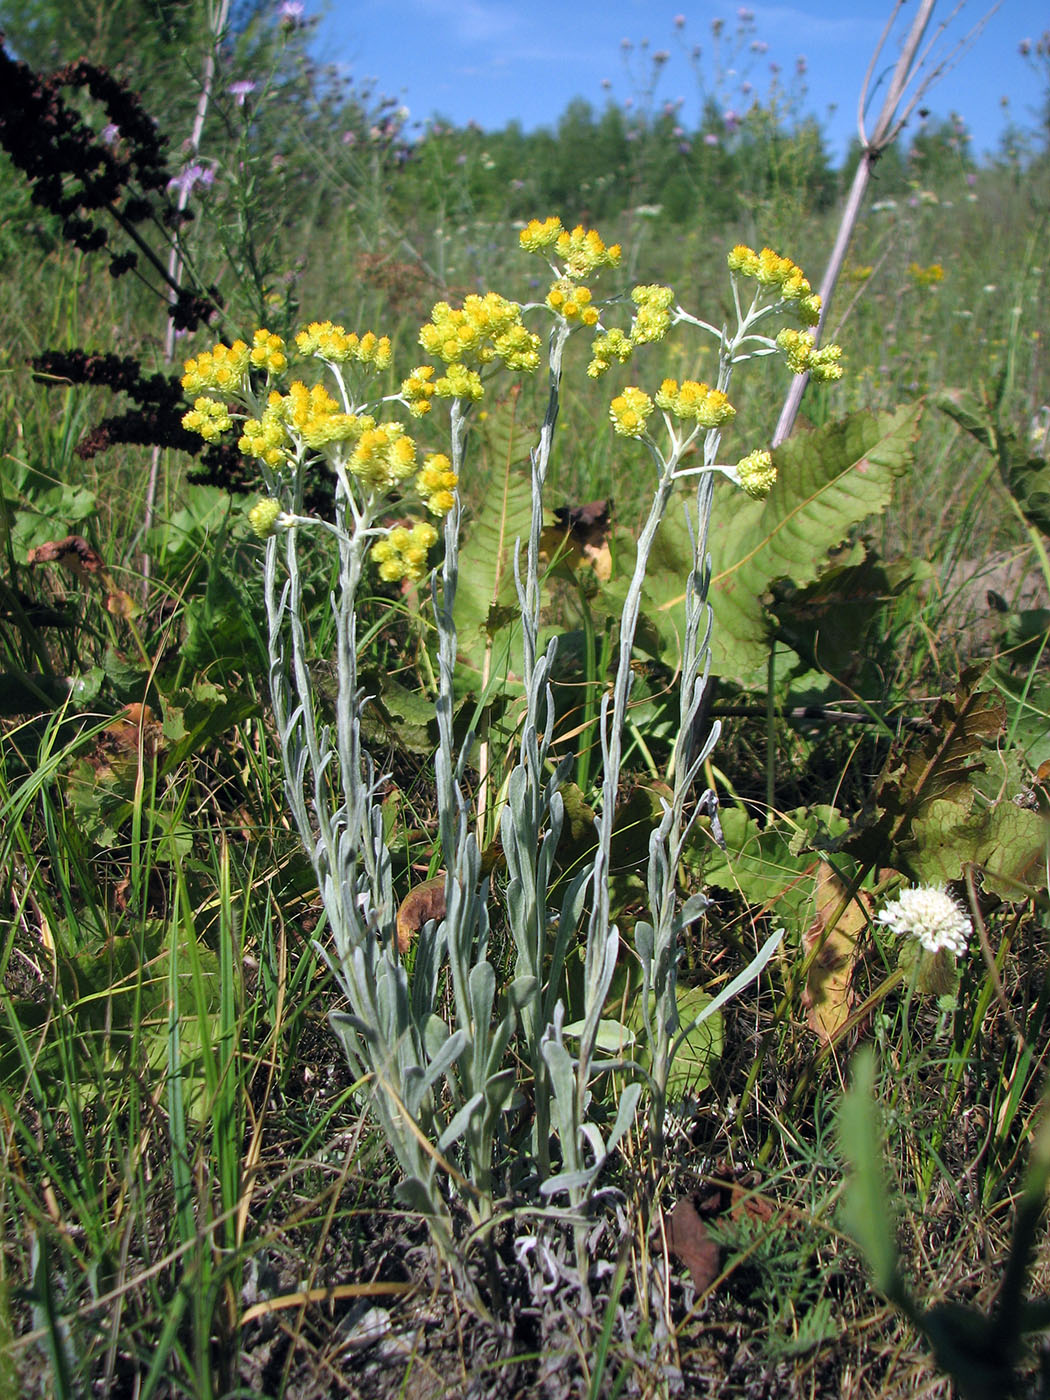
(929, 914)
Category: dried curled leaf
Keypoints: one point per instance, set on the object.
(832, 939)
(689, 1240)
(73, 553)
(422, 903)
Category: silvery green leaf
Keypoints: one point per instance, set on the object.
(482, 984)
(624, 1114)
(644, 940)
(435, 1033)
(414, 1195)
(613, 1036)
(499, 1087)
(446, 1056)
(559, 1065)
(691, 910)
(749, 973)
(461, 1121)
(520, 991)
(413, 1087)
(567, 1181)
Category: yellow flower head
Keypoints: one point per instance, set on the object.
(403, 553)
(384, 456)
(417, 390)
(267, 353)
(221, 369)
(629, 411)
(315, 417)
(926, 276)
(538, 237)
(460, 383)
(267, 437)
(582, 252)
(707, 407)
(780, 275)
(208, 417)
(573, 303)
(756, 473)
(436, 484)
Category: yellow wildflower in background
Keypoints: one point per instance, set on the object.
(926, 276)
(629, 411)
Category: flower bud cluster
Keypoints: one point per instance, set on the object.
(756, 473)
(221, 369)
(209, 418)
(803, 357)
(566, 299)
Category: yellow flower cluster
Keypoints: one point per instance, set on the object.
(484, 329)
(756, 473)
(403, 554)
(221, 369)
(460, 383)
(652, 320)
(769, 269)
(436, 484)
(383, 457)
(804, 358)
(926, 276)
(267, 437)
(581, 252)
(208, 417)
(317, 418)
(707, 407)
(572, 302)
(267, 353)
(329, 342)
(417, 390)
(629, 411)
(613, 345)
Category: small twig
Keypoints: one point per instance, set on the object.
(886, 130)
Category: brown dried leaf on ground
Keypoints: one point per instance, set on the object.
(833, 937)
(689, 1240)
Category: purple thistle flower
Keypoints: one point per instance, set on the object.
(110, 134)
(290, 12)
(241, 90)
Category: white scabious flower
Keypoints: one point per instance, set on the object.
(929, 914)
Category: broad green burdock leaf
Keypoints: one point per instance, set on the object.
(486, 608)
(828, 482)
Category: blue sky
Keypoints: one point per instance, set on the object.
(492, 61)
